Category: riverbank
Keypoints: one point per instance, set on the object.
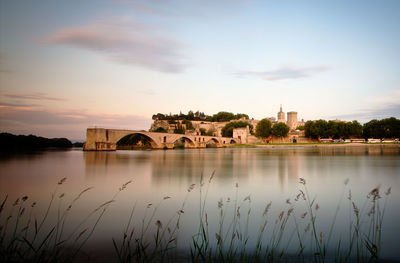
(285, 145)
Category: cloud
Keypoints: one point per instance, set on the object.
(366, 115)
(17, 104)
(389, 99)
(285, 73)
(32, 96)
(125, 42)
(70, 124)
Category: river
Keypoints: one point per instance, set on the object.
(170, 181)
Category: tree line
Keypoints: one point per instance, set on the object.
(221, 116)
(379, 129)
(10, 141)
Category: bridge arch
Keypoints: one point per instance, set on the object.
(153, 141)
(185, 139)
(213, 140)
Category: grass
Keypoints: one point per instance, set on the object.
(292, 235)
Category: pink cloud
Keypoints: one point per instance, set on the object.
(31, 96)
(70, 124)
(125, 42)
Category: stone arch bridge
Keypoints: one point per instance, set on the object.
(100, 139)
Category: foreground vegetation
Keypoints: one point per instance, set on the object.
(292, 235)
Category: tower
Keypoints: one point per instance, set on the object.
(292, 120)
(281, 115)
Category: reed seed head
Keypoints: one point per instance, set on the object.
(220, 203)
(191, 187)
(123, 187)
(281, 215)
(302, 181)
(219, 238)
(374, 194)
(211, 177)
(289, 211)
(267, 208)
(355, 209)
(62, 180)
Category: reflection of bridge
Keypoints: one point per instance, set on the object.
(100, 139)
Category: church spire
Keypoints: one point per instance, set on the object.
(281, 108)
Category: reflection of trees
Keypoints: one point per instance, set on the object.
(186, 166)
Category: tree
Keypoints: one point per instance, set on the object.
(210, 132)
(202, 131)
(160, 129)
(227, 130)
(179, 129)
(300, 128)
(280, 129)
(189, 125)
(223, 116)
(263, 128)
(385, 128)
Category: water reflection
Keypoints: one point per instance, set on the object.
(268, 174)
(188, 165)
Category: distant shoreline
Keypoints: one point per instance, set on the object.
(326, 145)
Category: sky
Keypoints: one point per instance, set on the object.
(69, 65)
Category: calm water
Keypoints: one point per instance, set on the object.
(263, 174)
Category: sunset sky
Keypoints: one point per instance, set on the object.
(69, 65)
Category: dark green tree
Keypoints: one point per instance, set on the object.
(227, 130)
(189, 125)
(280, 130)
(202, 131)
(179, 129)
(160, 129)
(223, 116)
(263, 128)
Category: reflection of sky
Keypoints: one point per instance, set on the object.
(264, 174)
(66, 65)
